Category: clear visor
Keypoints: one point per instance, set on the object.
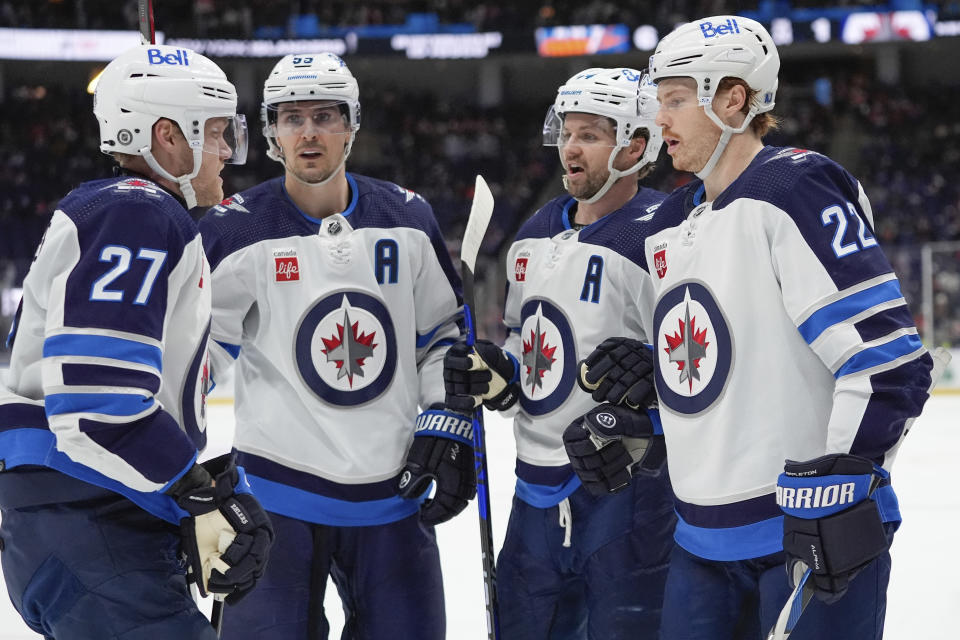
(560, 130)
(325, 116)
(227, 137)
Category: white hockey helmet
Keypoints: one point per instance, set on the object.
(309, 76)
(718, 47)
(150, 82)
(624, 95)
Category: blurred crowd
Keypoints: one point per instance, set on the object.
(903, 144)
(242, 18)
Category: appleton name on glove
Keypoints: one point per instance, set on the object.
(835, 512)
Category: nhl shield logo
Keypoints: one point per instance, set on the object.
(660, 262)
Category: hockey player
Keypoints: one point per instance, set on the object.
(578, 561)
(337, 298)
(781, 333)
(102, 410)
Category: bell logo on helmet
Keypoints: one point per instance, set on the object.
(710, 31)
(179, 57)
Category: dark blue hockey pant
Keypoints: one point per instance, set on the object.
(388, 577)
(741, 600)
(93, 567)
(607, 585)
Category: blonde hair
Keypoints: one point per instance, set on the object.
(762, 123)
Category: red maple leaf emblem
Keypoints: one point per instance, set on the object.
(136, 182)
(687, 355)
(538, 355)
(354, 340)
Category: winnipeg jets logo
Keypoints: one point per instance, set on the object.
(687, 347)
(349, 348)
(548, 356)
(537, 358)
(346, 348)
(693, 347)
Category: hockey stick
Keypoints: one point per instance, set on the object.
(796, 603)
(147, 34)
(803, 593)
(480, 212)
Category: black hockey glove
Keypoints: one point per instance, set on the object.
(620, 371)
(606, 443)
(834, 518)
(442, 450)
(227, 536)
(482, 373)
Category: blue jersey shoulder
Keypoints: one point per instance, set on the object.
(823, 200)
(131, 234)
(386, 205)
(262, 212)
(626, 229)
(549, 220)
(623, 230)
(127, 203)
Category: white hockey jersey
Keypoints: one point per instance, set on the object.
(108, 368)
(339, 327)
(568, 290)
(781, 332)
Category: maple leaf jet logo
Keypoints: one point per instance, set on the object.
(687, 347)
(349, 351)
(537, 358)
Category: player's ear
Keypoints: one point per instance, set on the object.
(732, 101)
(165, 134)
(638, 144)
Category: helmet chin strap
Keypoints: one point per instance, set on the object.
(726, 132)
(614, 175)
(186, 187)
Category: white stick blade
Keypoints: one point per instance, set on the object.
(480, 212)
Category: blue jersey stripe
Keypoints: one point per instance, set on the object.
(882, 354)
(109, 404)
(544, 496)
(311, 507)
(39, 447)
(424, 340)
(107, 376)
(733, 543)
(103, 347)
(847, 307)
(232, 349)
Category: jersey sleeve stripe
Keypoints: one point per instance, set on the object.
(107, 376)
(108, 404)
(424, 339)
(847, 308)
(232, 349)
(886, 353)
(105, 347)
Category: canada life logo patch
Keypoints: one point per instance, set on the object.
(286, 265)
(520, 269)
(660, 259)
(693, 347)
